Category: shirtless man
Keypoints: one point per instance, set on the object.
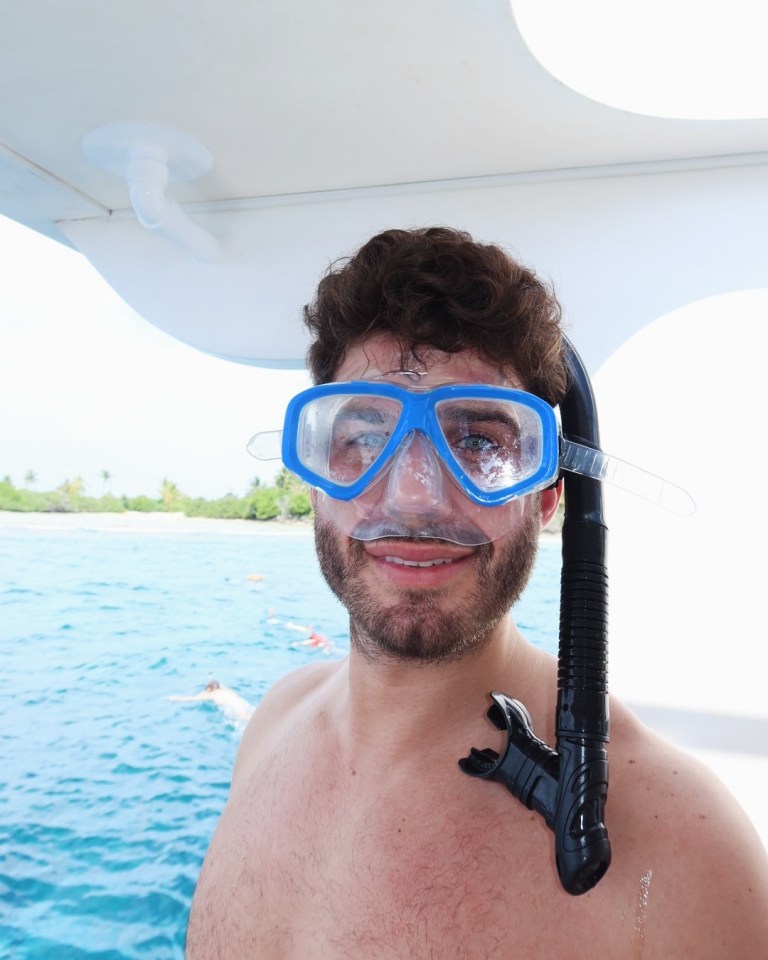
(230, 703)
(350, 831)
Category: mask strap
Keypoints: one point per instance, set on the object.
(588, 462)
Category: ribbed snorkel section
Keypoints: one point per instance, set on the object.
(583, 849)
(584, 579)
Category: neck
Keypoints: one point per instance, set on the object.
(396, 705)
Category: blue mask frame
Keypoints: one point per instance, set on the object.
(419, 413)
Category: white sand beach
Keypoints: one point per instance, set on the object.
(156, 522)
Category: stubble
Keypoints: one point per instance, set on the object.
(428, 626)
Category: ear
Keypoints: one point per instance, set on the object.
(550, 498)
(313, 494)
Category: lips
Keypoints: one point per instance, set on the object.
(409, 557)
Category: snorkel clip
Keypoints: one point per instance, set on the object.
(569, 795)
(528, 768)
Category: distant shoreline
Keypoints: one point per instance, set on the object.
(160, 522)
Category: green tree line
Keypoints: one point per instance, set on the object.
(286, 498)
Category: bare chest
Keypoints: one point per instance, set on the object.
(326, 864)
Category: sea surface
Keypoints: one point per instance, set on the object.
(110, 792)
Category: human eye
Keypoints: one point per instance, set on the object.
(359, 435)
(475, 443)
(485, 439)
(365, 426)
(368, 442)
(482, 429)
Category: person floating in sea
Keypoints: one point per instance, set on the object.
(316, 641)
(231, 704)
(432, 447)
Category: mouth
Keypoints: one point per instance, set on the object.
(418, 562)
(438, 561)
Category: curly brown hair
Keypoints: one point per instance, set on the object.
(437, 287)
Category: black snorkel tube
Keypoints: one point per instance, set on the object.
(568, 786)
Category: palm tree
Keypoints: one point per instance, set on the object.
(30, 479)
(169, 494)
(73, 488)
(106, 476)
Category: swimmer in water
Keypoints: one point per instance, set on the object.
(314, 640)
(229, 702)
(317, 642)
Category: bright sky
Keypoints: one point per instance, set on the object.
(87, 385)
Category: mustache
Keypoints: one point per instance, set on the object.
(464, 534)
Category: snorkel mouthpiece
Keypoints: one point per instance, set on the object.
(568, 786)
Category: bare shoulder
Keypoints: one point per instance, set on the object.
(704, 869)
(232, 899)
(286, 697)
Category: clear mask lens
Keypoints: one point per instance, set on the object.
(342, 437)
(496, 443)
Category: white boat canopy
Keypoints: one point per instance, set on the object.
(210, 160)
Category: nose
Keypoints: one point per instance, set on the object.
(415, 485)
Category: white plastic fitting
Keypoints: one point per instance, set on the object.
(148, 157)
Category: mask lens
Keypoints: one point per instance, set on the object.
(496, 443)
(341, 436)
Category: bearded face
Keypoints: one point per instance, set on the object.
(428, 624)
(416, 592)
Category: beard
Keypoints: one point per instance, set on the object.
(428, 626)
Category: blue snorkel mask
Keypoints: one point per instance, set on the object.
(412, 462)
(359, 443)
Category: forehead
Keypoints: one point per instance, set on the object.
(381, 358)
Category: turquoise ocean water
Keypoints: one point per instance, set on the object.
(109, 793)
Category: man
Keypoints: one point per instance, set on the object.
(350, 830)
(230, 703)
